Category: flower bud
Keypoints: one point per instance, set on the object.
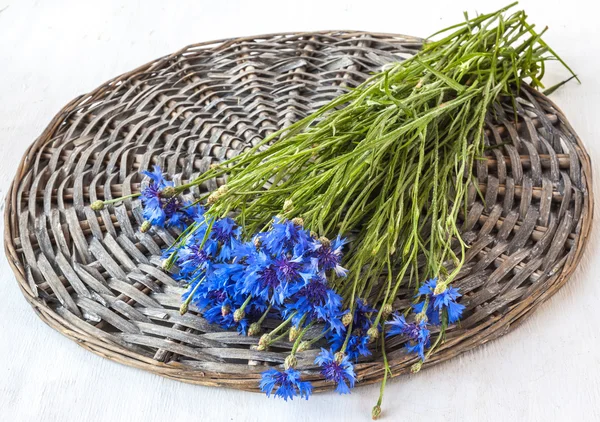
(168, 192)
(261, 347)
(347, 319)
(290, 362)
(314, 235)
(97, 205)
(303, 346)
(288, 205)
(298, 221)
(264, 340)
(294, 333)
(213, 198)
(416, 367)
(376, 412)
(184, 308)
(166, 264)
(213, 166)
(146, 225)
(373, 334)
(254, 329)
(421, 316)
(225, 310)
(339, 356)
(386, 310)
(222, 190)
(239, 315)
(257, 242)
(439, 289)
(325, 242)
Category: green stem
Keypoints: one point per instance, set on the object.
(246, 302)
(299, 339)
(387, 370)
(120, 199)
(264, 315)
(284, 323)
(281, 336)
(184, 306)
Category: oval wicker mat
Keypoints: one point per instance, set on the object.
(96, 278)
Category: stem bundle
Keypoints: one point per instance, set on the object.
(390, 162)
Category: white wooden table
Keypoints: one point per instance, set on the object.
(548, 369)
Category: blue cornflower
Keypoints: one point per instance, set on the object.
(153, 210)
(218, 298)
(316, 300)
(294, 269)
(433, 315)
(192, 259)
(447, 299)
(226, 233)
(213, 312)
(428, 287)
(215, 315)
(287, 384)
(361, 320)
(262, 279)
(161, 211)
(198, 235)
(335, 324)
(417, 334)
(228, 275)
(175, 214)
(157, 178)
(342, 372)
(208, 296)
(196, 213)
(330, 255)
(285, 236)
(244, 251)
(358, 345)
(151, 195)
(438, 302)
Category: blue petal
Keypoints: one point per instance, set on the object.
(455, 310)
(342, 388)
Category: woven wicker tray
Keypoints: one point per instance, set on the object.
(96, 279)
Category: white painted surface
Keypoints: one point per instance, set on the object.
(548, 369)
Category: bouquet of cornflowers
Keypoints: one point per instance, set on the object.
(320, 224)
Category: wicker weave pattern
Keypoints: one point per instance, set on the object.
(96, 278)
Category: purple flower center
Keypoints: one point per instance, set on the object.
(217, 295)
(287, 268)
(328, 259)
(200, 255)
(268, 277)
(152, 191)
(412, 330)
(284, 380)
(315, 292)
(221, 234)
(171, 206)
(333, 371)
